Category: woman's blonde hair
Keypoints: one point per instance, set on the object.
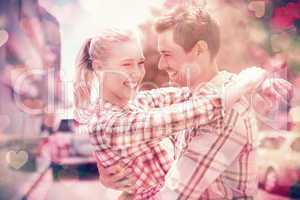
(92, 55)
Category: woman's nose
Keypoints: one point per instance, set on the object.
(137, 72)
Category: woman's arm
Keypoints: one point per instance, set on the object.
(162, 97)
(131, 128)
(125, 129)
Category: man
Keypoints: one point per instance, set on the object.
(219, 164)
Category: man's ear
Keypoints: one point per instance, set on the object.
(201, 46)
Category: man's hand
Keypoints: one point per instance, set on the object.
(276, 90)
(126, 196)
(116, 177)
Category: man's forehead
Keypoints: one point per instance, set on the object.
(165, 40)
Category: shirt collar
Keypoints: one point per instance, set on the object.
(217, 82)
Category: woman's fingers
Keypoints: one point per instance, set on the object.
(282, 91)
(287, 87)
(260, 76)
(251, 78)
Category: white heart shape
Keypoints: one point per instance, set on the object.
(16, 159)
(259, 8)
(3, 37)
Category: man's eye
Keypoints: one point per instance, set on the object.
(166, 55)
(126, 64)
(141, 63)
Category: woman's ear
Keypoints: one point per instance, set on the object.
(97, 65)
(201, 46)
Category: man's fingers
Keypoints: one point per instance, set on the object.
(112, 169)
(124, 173)
(101, 168)
(117, 177)
(125, 182)
(123, 185)
(129, 188)
(125, 196)
(115, 184)
(115, 169)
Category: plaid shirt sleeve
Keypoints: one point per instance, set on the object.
(162, 97)
(129, 128)
(217, 152)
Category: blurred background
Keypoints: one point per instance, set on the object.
(41, 154)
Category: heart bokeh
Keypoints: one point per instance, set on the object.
(16, 159)
(3, 37)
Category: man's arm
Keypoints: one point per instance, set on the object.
(213, 154)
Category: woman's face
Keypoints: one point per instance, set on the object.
(123, 71)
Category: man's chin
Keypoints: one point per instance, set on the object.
(130, 94)
(175, 83)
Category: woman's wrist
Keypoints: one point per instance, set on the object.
(233, 93)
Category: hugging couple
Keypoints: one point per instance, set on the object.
(196, 141)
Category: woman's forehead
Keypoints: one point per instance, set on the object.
(127, 50)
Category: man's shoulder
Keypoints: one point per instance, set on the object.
(228, 77)
(243, 106)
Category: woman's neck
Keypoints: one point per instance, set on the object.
(114, 99)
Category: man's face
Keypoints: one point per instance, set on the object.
(182, 67)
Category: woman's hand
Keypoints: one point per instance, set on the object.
(246, 82)
(276, 90)
(116, 177)
(251, 78)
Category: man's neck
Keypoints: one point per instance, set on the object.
(207, 75)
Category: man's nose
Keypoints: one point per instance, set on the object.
(162, 64)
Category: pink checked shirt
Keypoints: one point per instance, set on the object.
(142, 135)
(219, 159)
